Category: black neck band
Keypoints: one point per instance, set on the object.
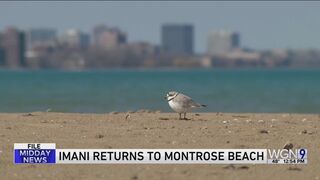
(173, 97)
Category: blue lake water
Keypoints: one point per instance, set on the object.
(223, 90)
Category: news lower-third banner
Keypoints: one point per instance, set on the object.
(46, 153)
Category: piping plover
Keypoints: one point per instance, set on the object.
(181, 103)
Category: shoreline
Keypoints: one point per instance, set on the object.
(149, 111)
(160, 130)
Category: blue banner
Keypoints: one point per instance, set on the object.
(34, 156)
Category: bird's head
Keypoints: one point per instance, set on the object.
(170, 95)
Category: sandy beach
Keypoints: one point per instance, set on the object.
(160, 130)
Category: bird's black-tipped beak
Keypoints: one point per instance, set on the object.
(165, 97)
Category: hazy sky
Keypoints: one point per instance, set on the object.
(262, 25)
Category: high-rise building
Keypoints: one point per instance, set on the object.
(97, 31)
(2, 52)
(13, 44)
(222, 42)
(75, 39)
(2, 57)
(177, 39)
(108, 38)
(41, 37)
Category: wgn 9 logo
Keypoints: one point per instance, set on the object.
(287, 156)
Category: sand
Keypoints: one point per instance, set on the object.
(160, 130)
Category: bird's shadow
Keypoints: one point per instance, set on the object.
(177, 119)
(185, 119)
(182, 119)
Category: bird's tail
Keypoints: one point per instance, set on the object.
(200, 105)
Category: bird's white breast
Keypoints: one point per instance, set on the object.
(177, 107)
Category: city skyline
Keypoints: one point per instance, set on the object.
(262, 25)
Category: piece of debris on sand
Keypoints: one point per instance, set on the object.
(288, 146)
